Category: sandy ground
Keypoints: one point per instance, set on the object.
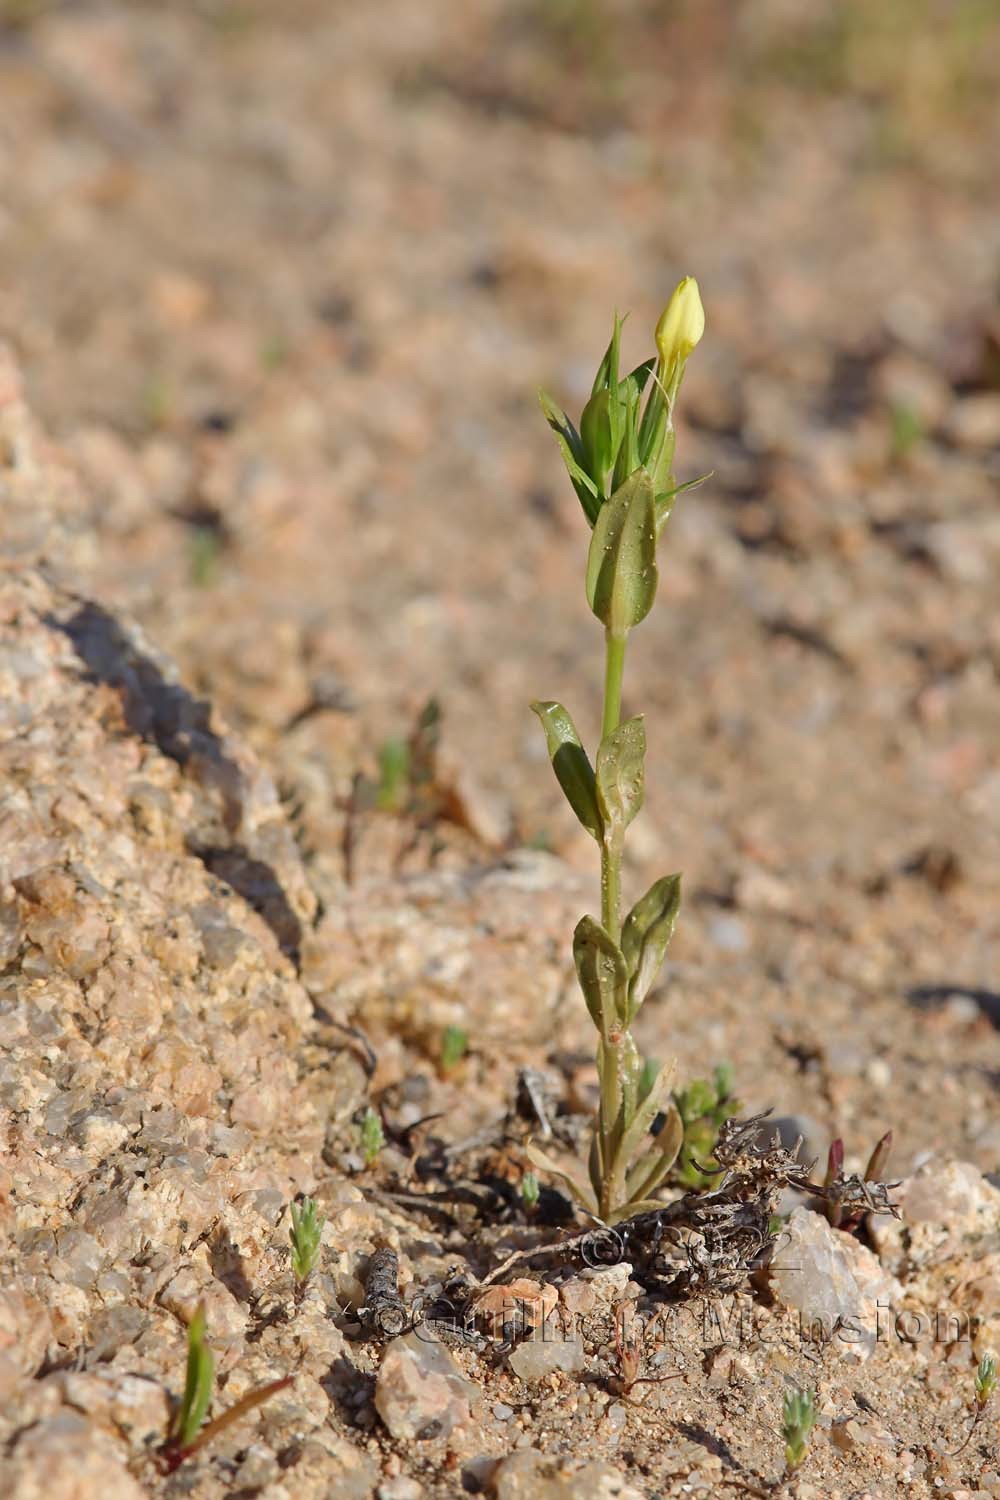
(281, 290)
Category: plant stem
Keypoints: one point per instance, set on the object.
(611, 854)
(614, 669)
(611, 920)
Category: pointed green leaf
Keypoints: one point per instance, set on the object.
(599, 449)
(645, 1115)
(620, 776)
(648, 929)
(621, 564)
(650, 1170)
(665, 500)
(654, 420)
(603, 977)
(198, 1381)
(595, 1163)
(641, 373)
(606, 378)
(627, 460)
(571, 449)
(578, 1190)
(569, 760)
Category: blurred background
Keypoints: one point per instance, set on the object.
(283, 280)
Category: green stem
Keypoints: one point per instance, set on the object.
(611, 920)
(611, 854)
(614, 670)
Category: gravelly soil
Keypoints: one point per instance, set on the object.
(281, 289)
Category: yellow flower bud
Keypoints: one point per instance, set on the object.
(681, 324)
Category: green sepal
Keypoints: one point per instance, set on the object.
(621, 564)
(648, 929)
(620, 776)
(571, 764)
(600, 968)
(571, 448)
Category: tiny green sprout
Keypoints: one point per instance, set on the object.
(454, 1045)
(530, 1191)
(188, 1430)
(798, 1418)
(985, 1385)
(372, 1136)
(393, 787)
(305, 1234)
(986, 1380)
(620, 461)
(198, 1383)
(205, 553)
(905, 429)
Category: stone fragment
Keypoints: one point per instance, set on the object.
(578, 1297)
(137, 1407)
(420, 1392)
(65, 1456)
(401, 1488)
(530, 1475)
(947, 1208)
(832, 1281)
(537, 1358)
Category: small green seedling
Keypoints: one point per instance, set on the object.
(905, 429)
(305, 1234)
(188, 1431)
(372, 1136)
(530, 1191)
(454, 1046)
(986, 1380)
(703, 1107)
(985, 1385)
(620, 462)
(205, 554)
(393, 788)
(798, 1418)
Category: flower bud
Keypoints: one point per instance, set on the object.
(681, 324)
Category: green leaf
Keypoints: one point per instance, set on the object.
(665, 500)
(627, 460)
(641, 373)
(606, 378)
(551, 1167)
(571, 764)
(603, 977)
(571, 449)
(648, 929)
(696, 1101)
(620, 775)
(645, 1115)
(198, 1382)
(621, 564)
(651, 1169)
(595, 436)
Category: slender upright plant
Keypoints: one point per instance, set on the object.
(620, 462)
